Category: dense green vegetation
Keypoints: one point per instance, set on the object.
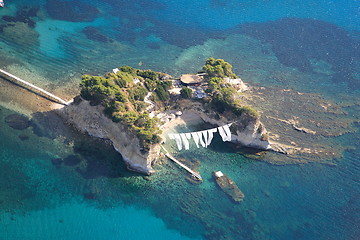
(123, 99)
(218, 68)
(223, 95)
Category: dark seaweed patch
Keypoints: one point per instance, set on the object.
(72, 160)
(93, 33)
(296, 41)
(72, 11)
(24, 15)
(23, 137)
(57, 162)
(17, 121)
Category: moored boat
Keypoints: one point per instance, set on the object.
(2, 4)
(228, 186)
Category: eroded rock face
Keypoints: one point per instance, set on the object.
(91, 120)
(250, 132)
(246, 130)
(17, 121)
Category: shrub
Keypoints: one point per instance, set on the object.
(162, 94)
(218, 68)
(129, 117)
(140, 93)
(150, 85)
(120, 82)
(214, 83)
(148, 74)
(186, 92)
(128, 69)
(125, 76)
(165, 84)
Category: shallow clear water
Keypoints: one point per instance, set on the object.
(97, 198)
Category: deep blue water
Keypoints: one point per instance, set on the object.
(54, 42)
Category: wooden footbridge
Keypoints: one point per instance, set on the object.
(31, 87)
(193, 173)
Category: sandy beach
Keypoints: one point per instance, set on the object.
(187, 118)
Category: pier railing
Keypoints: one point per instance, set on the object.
(31, 87)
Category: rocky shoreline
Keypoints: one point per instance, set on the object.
(92, 121)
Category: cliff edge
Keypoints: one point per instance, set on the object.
(91, 120)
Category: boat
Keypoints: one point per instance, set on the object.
(228, 186)
(2, 4)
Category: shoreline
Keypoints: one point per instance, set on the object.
(186, 118)
(24, 101)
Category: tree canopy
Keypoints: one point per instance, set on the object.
(186, 92)
(218, 68)
(223, 95)
(123, 99)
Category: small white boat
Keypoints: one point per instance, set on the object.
(2, 4)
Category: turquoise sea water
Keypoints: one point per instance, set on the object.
(92, 195)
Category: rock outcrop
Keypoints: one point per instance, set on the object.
(247, 131)
(91, 120)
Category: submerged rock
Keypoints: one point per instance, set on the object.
(72, 160)
(17, 121)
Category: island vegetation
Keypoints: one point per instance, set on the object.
(123, 93)
(126, 93)
(223, 96)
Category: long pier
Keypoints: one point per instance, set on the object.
(31, 87)
(195, 174)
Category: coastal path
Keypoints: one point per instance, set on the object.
(31, 87)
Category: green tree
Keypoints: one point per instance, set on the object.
(148, 74)
(162, 94)
(186, 92)
(218, 68)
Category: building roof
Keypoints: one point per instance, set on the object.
(190, 78)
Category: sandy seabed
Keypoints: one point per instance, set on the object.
(24, 101)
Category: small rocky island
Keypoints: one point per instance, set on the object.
(130, 107)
